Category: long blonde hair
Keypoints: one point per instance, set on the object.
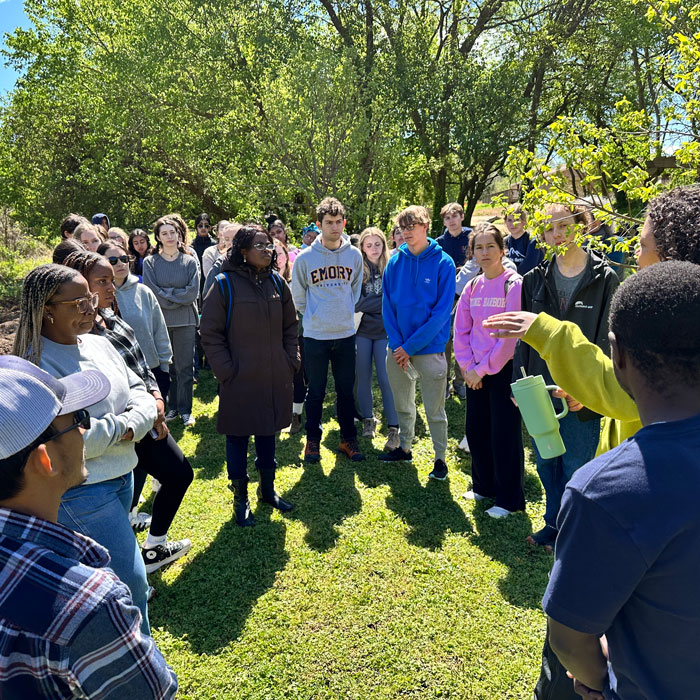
(383, 258)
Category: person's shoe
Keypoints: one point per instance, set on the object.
(312, 451)
(349, 449)
(163, 554)
(398, 454)
(368, 427)
(498, 512)
(546, 537)
(464, 445)
(392, 440)
(155, 485)
(139, 521)
(150, 593)
(188, 420)
(439, 472)
(474, 496)
(447, 391)
(241, 505)
(296, 425)
(460, 390)
(267, 493)
(172, 414)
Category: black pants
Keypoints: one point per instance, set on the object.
(163, 460)
(237, 454)
(493, 432)
(553, 683)
(300, 376)
(341, 354)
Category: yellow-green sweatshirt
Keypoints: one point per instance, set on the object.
(583, 370)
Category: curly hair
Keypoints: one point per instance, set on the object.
(244, 242)
(675, 223)
(330, 206)
(655, 316)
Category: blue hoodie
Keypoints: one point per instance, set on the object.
(419, 293)
(456, 246)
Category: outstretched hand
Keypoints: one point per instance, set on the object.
(510, 324)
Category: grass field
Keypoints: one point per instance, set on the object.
(379, 584)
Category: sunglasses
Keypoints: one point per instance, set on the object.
(114, 259)
(85, 305)
(81, 419)
(406, 229)
(264, 246)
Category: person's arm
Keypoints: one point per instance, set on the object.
(369, 304)
(440, 313)
(580, 654)
(463, 327)
(602, 341)
(159, 332)
(504, 348)
(299, 285)
(109, 657)
(391, 325)
(521, 355)
(290, 327)
(182, 296)
(213, 331)
(356, 283)
(208, 259)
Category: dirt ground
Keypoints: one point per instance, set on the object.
(8, 328)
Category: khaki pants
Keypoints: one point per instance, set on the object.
(433, 377)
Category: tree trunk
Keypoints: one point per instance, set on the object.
(439, 199)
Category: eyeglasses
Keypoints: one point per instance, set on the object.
(85, 305)
(114, 259)
(264, 246)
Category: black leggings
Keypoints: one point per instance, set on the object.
(300, 382)
(237, 454)
(163, 460)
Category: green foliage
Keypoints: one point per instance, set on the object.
(380, 584)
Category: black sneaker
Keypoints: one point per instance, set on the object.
(396, 455)
(163, 554)
(439, 471)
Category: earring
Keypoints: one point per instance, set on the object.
(51, 319)
(245, 260)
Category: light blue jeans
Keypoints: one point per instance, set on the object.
(368, 350)
(101, 511)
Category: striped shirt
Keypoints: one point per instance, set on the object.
(68, 627)
(121, 335)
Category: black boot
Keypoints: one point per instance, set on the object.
(241, 506)
(267, 493)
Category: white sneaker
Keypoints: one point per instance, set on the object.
(498, 512)
(473, 496)
(464, 445)
(139, 521)
(188, 420)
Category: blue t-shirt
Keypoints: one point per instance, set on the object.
(628, 561)
(456, 246)
(523, 252)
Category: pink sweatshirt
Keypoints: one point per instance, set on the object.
(474, 348)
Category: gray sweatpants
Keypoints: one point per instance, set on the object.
(433, 377)
(181, 369)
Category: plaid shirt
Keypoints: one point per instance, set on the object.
(122, 336)
(68, 628)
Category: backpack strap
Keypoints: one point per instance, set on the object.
(277, 281)
(227, 293)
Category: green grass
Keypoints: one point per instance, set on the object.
(379, 584)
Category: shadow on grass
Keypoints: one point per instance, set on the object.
(429, 510)
(324, 501)
(211, 599)
(504, 540)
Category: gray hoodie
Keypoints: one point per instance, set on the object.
(139, 307)
(326, 285)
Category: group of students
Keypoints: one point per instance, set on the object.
(92, 336)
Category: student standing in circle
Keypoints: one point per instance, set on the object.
(172, 274)
(249, 334)
(371, 339)
(492, 423)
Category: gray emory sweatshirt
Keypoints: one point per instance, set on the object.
(128, 405)
(139, 307)
(326, 285)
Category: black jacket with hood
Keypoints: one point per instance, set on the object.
(588, 308)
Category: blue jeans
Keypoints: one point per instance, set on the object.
(367, 350)
(101, 511)
(580, 439)
(341, 353)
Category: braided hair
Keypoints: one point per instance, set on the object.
(85, 261)
(39, 286)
